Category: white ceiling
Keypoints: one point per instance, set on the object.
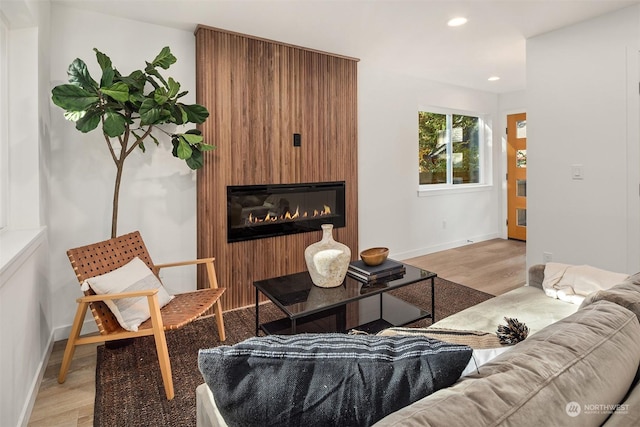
(409, 37)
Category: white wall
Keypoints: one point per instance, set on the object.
(24, 175)
(4, 119)
(25, 297)
(25, 331)
(158, 193)
(582, 108)
(391, 212)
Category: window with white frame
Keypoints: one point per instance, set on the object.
(4, 125)
(450, 149)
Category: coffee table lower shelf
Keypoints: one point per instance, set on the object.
(403, 313)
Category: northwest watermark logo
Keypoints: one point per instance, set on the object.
(573, 409)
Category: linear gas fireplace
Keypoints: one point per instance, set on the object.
(259, 211)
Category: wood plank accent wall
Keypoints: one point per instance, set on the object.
(259, 93)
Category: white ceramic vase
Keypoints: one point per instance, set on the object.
(327, 260)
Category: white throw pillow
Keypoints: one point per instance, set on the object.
(480, 356)
(133, 276)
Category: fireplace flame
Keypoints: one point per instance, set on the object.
(294, 216)
(288, 216)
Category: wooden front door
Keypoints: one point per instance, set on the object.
(517, 176)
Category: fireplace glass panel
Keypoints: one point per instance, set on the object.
(259, 211)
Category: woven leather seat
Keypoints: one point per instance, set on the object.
(104, 257)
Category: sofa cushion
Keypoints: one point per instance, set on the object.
(326, 379)
(628, 412)
(207, 414)
(528, 304)
(588, 358)
(626, 294)
(536, 275)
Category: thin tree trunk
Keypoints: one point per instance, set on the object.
(124, 152)
(116, 194)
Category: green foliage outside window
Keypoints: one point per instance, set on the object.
(448, 135)
(432, 153)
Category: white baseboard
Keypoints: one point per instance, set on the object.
(442, 247)
(62, 332)
(25, 415)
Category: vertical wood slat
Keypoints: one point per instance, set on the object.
(259, 93)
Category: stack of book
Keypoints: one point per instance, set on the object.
(387, 271)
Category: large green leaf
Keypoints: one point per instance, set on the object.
(160, 96)
(150, 112)
(200, 146)
(137, 80)
(73, 98)
(174, 87)
(108, 72)
(89, 121)
(79, 75)
(103, 60)
(107, 77)
(192, 139)
(184, 149)
(165, 115)
(164, 59)
(196, 113)
(118, 91)
(179, 115)
(195, 161)
(114, 124)
(151, 73)
(137, 98)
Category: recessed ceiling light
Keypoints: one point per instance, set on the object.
(456, 22)
(493, 78)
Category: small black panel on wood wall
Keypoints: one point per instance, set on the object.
(296, 140)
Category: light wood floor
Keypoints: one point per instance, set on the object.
(495, 266)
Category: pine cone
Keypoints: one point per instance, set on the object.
(513, 332)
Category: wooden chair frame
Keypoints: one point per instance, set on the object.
(103, 257)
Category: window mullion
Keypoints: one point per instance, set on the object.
(449, 149)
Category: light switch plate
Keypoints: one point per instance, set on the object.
(577, 172)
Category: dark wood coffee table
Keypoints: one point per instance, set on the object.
(303, 302)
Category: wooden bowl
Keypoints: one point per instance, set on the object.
(374, 256)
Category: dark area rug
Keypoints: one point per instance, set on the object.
(129, 388)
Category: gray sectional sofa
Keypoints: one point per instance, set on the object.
(578, 366)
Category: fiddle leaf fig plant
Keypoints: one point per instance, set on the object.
(131, 109)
